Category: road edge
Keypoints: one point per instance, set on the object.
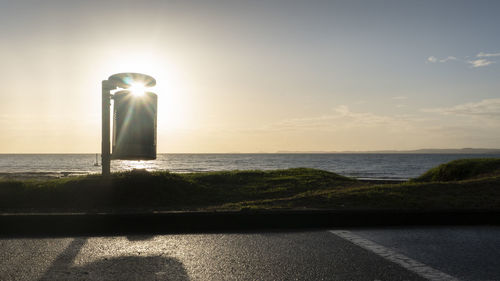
(57, 224)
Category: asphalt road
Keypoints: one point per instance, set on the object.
(437, 253)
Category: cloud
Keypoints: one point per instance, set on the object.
(448, 59)
(342, 118)
(345, 129)
(476, 61)
(486, 55)
(432, 59)
(480, 62)
(489, 108)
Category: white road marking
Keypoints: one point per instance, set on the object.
(419, 268)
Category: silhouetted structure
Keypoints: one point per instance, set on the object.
(134, 134)
(134, 126)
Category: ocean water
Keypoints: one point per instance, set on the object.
(361, 166)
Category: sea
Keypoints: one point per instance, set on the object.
(370, 166)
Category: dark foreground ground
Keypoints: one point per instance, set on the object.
(402, 253)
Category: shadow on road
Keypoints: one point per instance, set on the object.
(116, 268)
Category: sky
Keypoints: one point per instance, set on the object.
(255, 76)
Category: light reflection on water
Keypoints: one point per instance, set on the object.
(377, 166)
(150, 165)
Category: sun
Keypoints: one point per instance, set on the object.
(137, 89)
(175, 104)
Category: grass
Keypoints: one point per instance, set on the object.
(461, 184)
(462, 169)
(163, 190)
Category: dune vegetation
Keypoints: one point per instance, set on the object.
(462, 169)
(460, 184)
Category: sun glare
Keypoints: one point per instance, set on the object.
(172, 88)
(137, 89)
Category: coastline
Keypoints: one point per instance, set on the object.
(461, 184)
(462, 192)
(22, 176)
(359, 166)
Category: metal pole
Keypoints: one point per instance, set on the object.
(105, 150)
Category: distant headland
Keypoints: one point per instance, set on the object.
(416, 151)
